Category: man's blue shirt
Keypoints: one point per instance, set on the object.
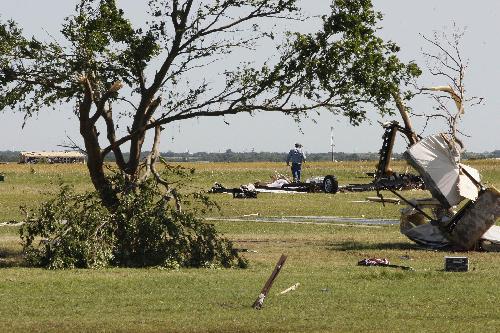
(296, 156)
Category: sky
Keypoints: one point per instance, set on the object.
(404, 22)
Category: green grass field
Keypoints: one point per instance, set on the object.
(335, 295)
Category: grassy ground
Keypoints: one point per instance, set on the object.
(334, 294)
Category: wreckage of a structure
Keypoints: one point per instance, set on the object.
(50, 157)
(437, 160)
(279, 184)
(384, 177)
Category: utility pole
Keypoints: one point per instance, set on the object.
(331, 142)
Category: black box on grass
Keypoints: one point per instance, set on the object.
(456, 264)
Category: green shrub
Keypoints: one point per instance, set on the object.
(156, 234)
(69, 231)
(76, 230)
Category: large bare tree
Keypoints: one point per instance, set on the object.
(446, 62)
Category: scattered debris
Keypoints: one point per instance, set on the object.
(384, 177)
(401, 182)
(381, 262)
(243, 192)
(281, 184)
(249, 215)
(287, 290)
(277, 181)
(265, 290)
(246, 250)
(327, 184)
(389, 200)
(456, 264)
(373, 262)
(219, 188)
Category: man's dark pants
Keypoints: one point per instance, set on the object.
(296, 171)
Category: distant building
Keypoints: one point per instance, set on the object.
(51, 157)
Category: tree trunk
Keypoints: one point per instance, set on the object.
(95, 165)
(412, 137)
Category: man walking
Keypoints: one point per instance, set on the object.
(297, 157)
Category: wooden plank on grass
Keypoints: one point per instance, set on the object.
(265, 290)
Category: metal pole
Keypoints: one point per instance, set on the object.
(331, 142)
(412, 205)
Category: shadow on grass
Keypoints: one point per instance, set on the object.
(357, 246)
(11, 258)
(351, 245)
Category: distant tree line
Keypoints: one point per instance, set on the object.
(231, 156)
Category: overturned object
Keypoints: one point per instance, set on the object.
(437, 159)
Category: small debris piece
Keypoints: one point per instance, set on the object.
(456, 264)
(244, 192)
(292, 288)
(381, 262)
(219, 188)
(373, 262)
(265, 290)
(389, 200)
(246, 250)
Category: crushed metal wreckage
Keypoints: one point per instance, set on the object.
(242, 192)
(327, 184)
(385, 178)
(396, 181)
(437, 160)
(280, 184)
